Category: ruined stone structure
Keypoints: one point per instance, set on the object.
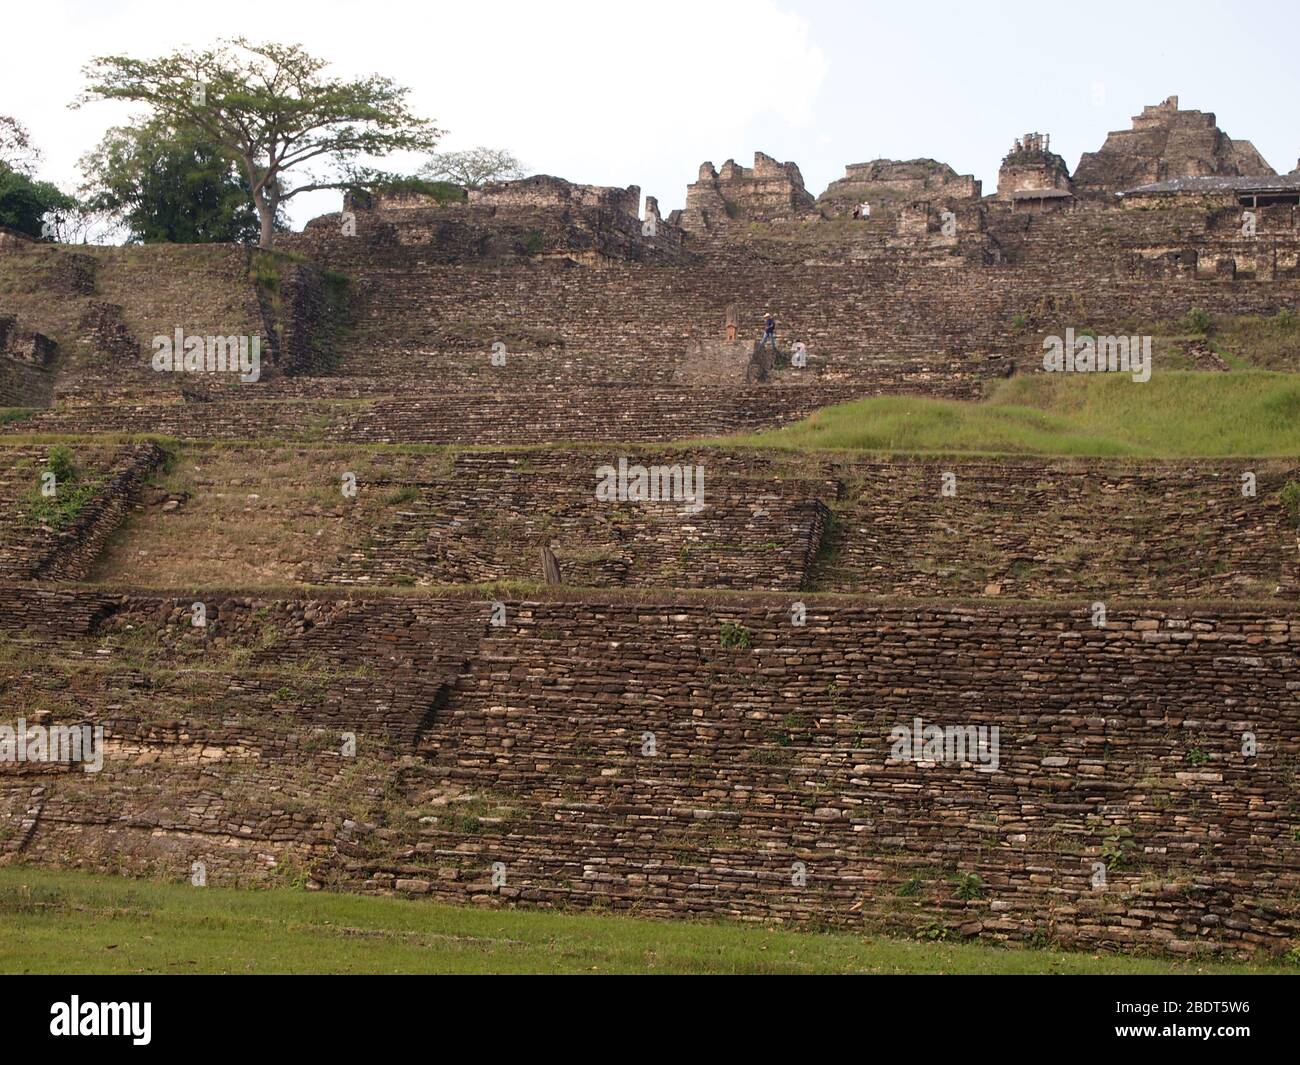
(522, 747)
(769, 191)
(887, 184)
(1166, 143)
(25, 362)
(538, 217)
(543, 331)
(1218, 193)
(1033, 176)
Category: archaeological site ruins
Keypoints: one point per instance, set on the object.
(434, 555)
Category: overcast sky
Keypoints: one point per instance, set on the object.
(617, 94)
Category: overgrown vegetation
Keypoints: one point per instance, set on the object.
(441, 191)
(1290, 499)
(735, 636)
(61, 493)
(1175, 414)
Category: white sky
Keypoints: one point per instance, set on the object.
(616, 94)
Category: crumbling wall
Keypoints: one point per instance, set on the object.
(536, 218)
(769, 191)
(26, 365)
(887, 184)
(1031, 166)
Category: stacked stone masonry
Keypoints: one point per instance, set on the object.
(629, 755)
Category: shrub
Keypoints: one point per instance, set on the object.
(264, 272)
(62, 464)
(1115, 848)
(1290, 497)
(441, 191)
(1198, 321)
(734, 636)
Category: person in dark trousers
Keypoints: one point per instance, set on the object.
(769, 332)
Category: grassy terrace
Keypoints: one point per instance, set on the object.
(1177, 414)
(66, 922)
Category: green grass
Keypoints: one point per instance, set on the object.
(71, 922)
(1176, 414)
(1268, 343)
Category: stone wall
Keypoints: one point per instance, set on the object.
(917, 310)
(530, 413)
(1086, 530)
(488, 516)
(887, 184)
(537, 218)
(26, 377)
(683, 757)
(768, 191)
(109, 477)
(865, 310)
(1064, 530)
(544, 191)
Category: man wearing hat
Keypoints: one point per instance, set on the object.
(769, 331)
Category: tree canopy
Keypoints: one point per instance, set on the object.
(272, 110)
(473, 168)
(164, 183)
(24, 201)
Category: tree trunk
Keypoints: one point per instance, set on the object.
(266, 213)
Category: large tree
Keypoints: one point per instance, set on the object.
(165, 184)
(473, 168)
(270, 107)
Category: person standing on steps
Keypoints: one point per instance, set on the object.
(769, 332)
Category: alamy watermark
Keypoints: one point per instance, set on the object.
(627, 483)
(208, 354)
(1093, 354)
(78, 1018)
(53, 743)
(919, 742)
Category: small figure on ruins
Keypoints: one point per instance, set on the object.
(731, 321)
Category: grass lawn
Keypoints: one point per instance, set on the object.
(71, 922)
(1177, 414)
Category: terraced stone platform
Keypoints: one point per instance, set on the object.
(702, 721)
(621, 753)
